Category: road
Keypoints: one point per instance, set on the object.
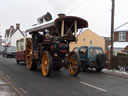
(32, 83)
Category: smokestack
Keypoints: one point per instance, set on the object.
(61, 15)
(17, 26)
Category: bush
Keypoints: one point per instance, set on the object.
(122, 54)
(120, 62)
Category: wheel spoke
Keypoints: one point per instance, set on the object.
(29, 49)
(30, 59)
(29, 54)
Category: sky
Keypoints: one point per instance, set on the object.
(96, 12)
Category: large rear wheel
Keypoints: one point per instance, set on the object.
(46, 63)
(74, 64)
(30, 62)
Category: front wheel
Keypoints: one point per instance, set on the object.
(74, 64)
(46, 64)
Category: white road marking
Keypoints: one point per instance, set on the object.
(93, 86)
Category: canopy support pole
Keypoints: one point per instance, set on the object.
(62, 28)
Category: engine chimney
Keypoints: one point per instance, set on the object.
(61, 15)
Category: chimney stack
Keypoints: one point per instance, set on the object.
(17, 26)
(11, 27)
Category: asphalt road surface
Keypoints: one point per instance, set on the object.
(60, 83)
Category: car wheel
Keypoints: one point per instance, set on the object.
(17, 62)
(101, 60)
(98, 69)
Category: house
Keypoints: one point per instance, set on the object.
(89, 38)
(8, 33)
(126, 49)
(12, 34)
(120, 39)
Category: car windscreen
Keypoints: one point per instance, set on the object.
(95, 51)
(83, 50)
(75, 49)
(11, 49)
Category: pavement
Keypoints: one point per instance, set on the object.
(7, 88)
(114, 73)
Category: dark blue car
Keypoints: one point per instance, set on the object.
(9, 51)
(91, 57)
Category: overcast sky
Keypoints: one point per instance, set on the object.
(96, 12)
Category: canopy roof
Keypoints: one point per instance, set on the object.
(56, 24)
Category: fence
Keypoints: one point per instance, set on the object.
(120, 63)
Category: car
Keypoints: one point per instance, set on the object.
(9, 51)
(91, 57)
(1, 49)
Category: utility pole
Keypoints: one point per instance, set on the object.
(112, 31)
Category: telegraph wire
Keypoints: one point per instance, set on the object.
(78, 6)
(121, 26)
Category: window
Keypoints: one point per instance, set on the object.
(83, 50)
(84, 39)
(122, 36)
(90, 42)
(22, 45)
(95, 51)
(18, 45)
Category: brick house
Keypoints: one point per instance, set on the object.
(120, 39)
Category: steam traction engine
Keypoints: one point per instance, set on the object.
(49, 45)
